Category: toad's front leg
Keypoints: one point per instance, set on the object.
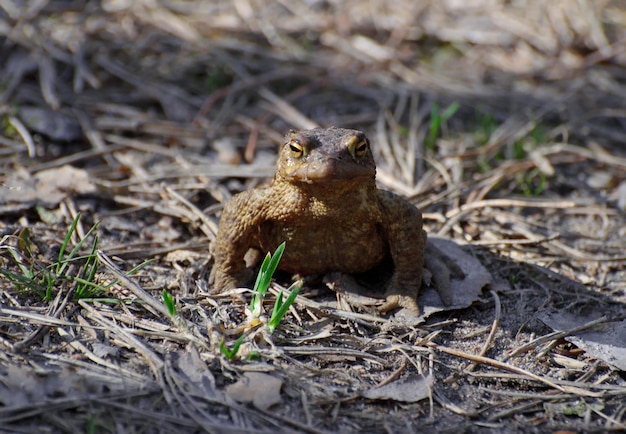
(406, 239)
(241, 217)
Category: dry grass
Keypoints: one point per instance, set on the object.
(155, 101)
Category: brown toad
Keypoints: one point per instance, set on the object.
(323, 201)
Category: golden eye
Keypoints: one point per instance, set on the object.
(357, 146)
(361, 148)
(297, 150)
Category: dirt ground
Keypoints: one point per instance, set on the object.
(125, 125)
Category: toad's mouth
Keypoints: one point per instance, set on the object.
(328, 170)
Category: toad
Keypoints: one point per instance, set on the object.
(323, 201)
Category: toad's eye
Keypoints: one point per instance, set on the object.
(357, 146)
(297, 150)
(360, 149)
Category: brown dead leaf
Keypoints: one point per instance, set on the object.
(47, 187)
(464, 291)
(412, 389)
(606, 342)
(54, 124)
(22, 385)
(196, 373)
(262, 390)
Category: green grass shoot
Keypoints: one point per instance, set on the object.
(63, 262)
(264, 278)
(43, 279)
(437, 120)
(281, 308)
(231, 353)
(168, 300)
(85, 287)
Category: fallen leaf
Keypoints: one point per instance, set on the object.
(464, 291)
(104, 350)
(51, 123)
(18, 187)
(262, 390)
(23, 385)
(48, 187)
(194, 370)
(412, 389)
(606, 342)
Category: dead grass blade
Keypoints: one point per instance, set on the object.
(496, 364)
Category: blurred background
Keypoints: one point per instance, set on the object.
(249, 70)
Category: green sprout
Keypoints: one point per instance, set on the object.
(231, 353)
(263, 279)
(437, 120)
(168, 300)
(44, 278)
(63, 262)
(487, 126)
(261, 285)
(86, 288)
(268, 267)
(532, 182)
(280, 308)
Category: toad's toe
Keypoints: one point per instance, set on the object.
(395, 301)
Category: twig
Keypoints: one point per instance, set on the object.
(24, 134)
(495, 363)
(555, 335)
(132, 286)
(494, 328)
(457, 214)
(208, 226)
